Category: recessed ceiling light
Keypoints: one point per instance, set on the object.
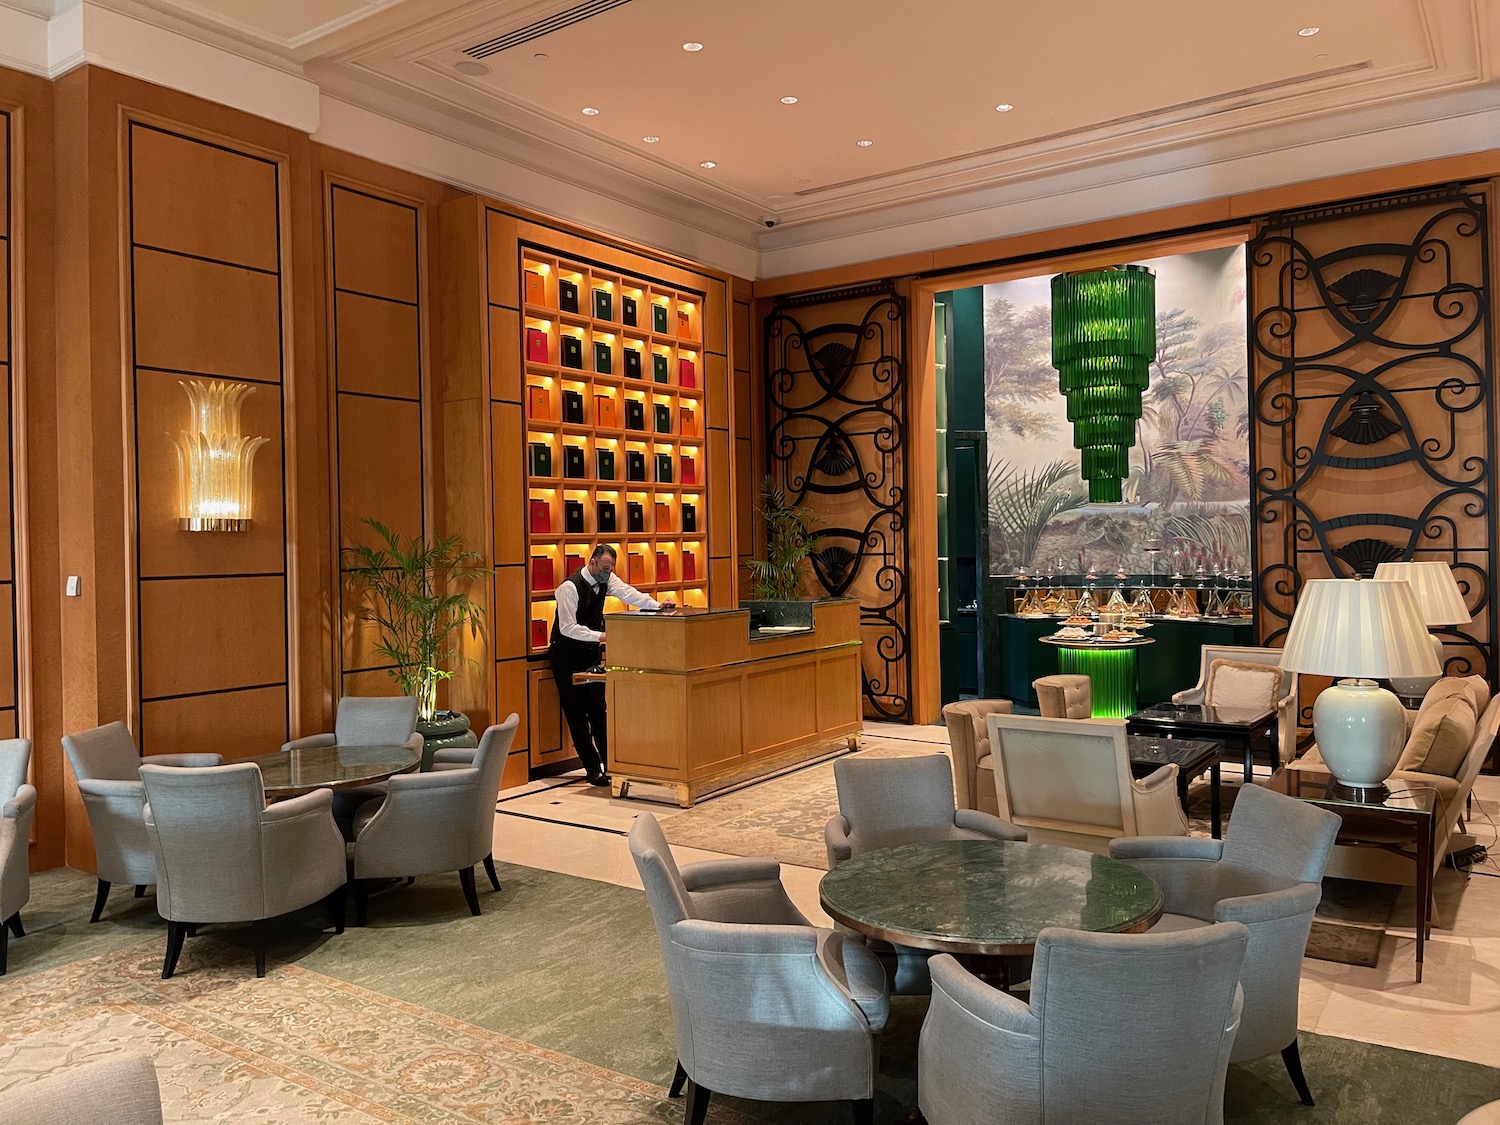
(789, 100)
(692, 46)
(1309, 32)
(590, 111)
(469, 67)
(804, 180)
(541, 56)
(708, 164)
(864, 144)
(651, 140)
(1004, 107)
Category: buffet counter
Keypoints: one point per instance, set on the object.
(708, 699)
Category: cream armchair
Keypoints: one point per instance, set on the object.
(1064, 697)
(969, 739)
(17, 803)
(1067, 781)
(1286, 698)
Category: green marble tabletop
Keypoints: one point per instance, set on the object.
(289, 772)
(986, 896)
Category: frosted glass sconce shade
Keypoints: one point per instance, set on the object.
(214, 459)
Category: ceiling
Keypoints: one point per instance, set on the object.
(1091, 81)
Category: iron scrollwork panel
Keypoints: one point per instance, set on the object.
(836, 435)
(1373, 427)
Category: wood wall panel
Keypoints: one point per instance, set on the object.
(236, 724)
(206, 318)
(377, 347)
(509, 489)
(184, 192)
(161, 411)
(211, 635)
(380, 466)
(6, 436)
(375, 243)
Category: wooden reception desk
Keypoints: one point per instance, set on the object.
(700, 701)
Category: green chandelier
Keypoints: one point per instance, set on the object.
(1103, 342)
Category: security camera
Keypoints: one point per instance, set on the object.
(769, 220)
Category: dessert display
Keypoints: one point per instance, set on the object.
(1072, 633)
(1079, 619)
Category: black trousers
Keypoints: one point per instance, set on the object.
(582, 707)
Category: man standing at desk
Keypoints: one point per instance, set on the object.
(578, 643)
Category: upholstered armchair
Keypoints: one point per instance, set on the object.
(17, 803)
(432, 822)
(764, 1005)
(105, 763)
(1267, 873)
(1064, 697)
(118, 1089)
(1067, 781)
(223, 855)
(1228, 692)
(1130, 1029)
(375, 720)
(969, 740)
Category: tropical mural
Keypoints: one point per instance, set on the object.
(1187, 499)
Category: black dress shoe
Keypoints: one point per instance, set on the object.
(597, 778)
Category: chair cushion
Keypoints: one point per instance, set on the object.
(1440, 737)
(1236, 684)
(1470, 688)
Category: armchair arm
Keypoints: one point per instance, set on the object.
(980, 1055)
(1271, 906)
(710, 873)
(992, 826)
(297, 806)
(1190, 695)
(836, 840)
(310, 741)
(452, 756)
(302, 852)
(21, 804)
(742, 891)
(1132, 848)
(1000, 1010)
(189, 761)
(1157, 812)
(101, 787)
(1158, 778)
(438, 779)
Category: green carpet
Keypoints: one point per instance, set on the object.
(571, 967)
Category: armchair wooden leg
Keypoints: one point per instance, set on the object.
(1293, 1060)
(695, 1109)
(176, 931)
(140, 890)
(336, 900)
(471, 895)
(258, 937)
(677, 1080)
(864, 1111)
(489, 869)
(361, 902)
(4, 947)
(14, 922)
(100, 896)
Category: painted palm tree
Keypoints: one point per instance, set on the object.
(1024, 501)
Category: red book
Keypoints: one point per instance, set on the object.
(687, 373)
(541, 517)
(689, 567)
(534, 289)
(536, 346)
(539, 634)
(663, 567)
(541, 573)
(576, 562)
(637, 568)
(689, 471)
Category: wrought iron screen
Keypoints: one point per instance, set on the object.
(836, 441)
(1373, 431)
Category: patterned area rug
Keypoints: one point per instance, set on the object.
(300, 1047)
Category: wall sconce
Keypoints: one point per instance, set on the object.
(214, 458)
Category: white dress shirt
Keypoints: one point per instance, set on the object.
(567, 604)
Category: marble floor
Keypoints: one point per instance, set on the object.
(566, 826)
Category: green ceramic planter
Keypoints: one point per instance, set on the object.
(447, 730)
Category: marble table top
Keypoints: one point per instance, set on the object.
(287, 773)
(987, 897)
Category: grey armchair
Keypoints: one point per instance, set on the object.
(114, 1090)
(1267, 873)
(19, 802)
(764, 1005)
(1130, 1029)
(431, 822)
(223, 855)
(105, 763)
(373, 720)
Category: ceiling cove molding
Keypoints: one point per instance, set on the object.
(354, 128)
(23, 41)
(1433, 128)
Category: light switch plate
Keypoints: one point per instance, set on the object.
(75, 585)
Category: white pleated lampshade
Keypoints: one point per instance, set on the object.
(1438, 596)
(1349, 627)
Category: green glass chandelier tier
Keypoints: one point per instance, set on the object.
(1103, 342)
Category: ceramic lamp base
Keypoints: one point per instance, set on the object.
(1361, 729)
(1415, 687)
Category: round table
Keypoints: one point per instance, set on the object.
(287, 773)
(1110, 667)
(986, 898)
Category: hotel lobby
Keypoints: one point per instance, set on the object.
(1043, 528)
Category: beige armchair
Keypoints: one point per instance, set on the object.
(117, 1089)
(1286, 698)
(1067, 781)
(1064, 697)
(17, 803)
(969, 738)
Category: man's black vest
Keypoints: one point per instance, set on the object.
(590, 615)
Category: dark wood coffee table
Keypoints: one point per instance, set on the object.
(1191, 756)
(1238, 727)
(1407, 814)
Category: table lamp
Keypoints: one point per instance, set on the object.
(1441, 603)
(1359, 628)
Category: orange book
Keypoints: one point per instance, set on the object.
(535, 290)
(538, 404)
(663, 518)
(687, 421)
(637, 568)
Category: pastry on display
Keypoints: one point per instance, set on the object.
(1079, 619)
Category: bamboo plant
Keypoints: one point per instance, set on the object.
(789, 541)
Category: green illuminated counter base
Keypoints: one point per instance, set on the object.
(1111, 669)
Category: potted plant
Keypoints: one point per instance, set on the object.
(416, 594)
(777, 578)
